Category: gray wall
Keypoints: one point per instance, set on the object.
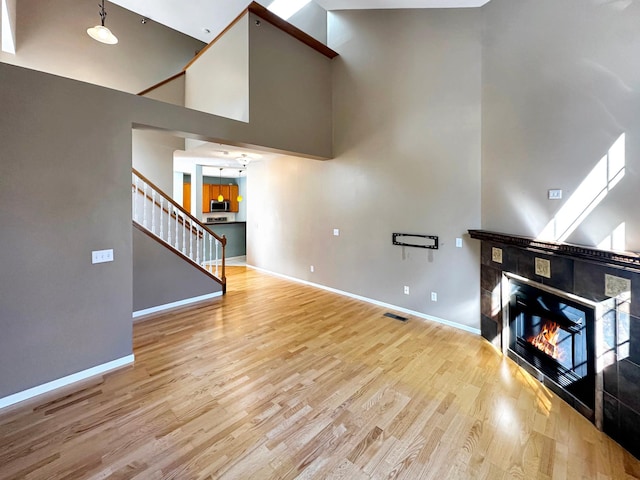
(52, 37)
(560, 85)
(65, 188)
(152, 155)
(160, 276)
(294, 100)
(407, 146)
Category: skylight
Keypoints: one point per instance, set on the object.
(286, 9)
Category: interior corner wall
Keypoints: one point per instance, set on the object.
(52, 37)
(406, 116)
(289, 90)
(152, 156)
(560, 85)
(171, 92)
(218, 81)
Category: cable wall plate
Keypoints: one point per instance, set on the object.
(416, 240)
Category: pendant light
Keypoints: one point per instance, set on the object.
(100, 32)
(239, 196)
(220, 197)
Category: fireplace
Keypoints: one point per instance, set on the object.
(554, 334)
(541, 301)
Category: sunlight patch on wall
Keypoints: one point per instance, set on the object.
(594, 188)
(616, 240)
(8, 26)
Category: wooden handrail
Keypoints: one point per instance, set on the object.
(222, 239)
(160, 84)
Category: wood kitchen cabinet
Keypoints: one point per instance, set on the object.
(229, 193)
(206, 197)
(186, 197)
(211, 192)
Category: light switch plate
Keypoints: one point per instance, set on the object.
(459, 242)
(102, 256)
(555, 194)
(336, 232)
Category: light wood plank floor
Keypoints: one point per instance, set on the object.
(279, 380)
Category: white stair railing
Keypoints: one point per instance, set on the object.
(166, 220)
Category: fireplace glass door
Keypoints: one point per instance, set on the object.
(555, 335)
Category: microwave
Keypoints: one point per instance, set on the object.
(219, 206)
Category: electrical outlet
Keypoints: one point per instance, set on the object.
(336, 232)
(312, 269)
(102, 256)
(459, 242)
(406, 290)
(434, 297)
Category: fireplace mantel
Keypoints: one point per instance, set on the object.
(620, 259)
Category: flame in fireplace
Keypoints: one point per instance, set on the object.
(547, 339)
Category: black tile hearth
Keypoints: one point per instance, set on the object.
(611, 416)
(629, 430)
(634, 339)
(629, 383)
(489, 331)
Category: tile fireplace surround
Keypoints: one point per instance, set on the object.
(611, 280)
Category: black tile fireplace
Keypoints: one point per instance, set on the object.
(570, 316)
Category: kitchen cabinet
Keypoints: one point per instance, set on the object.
(186, 196)
(206, 197)
(211, 192)
(229, 192)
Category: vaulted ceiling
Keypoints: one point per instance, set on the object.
(204, 19)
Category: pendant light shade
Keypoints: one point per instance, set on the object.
(220, 197)
(100, 32)
(239, 199)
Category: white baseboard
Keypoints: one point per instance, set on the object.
(65, 381)
(179, 303)
(449, 323)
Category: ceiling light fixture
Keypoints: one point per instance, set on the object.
(100, 32)
(243, 160)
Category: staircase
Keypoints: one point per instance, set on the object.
(159, 216)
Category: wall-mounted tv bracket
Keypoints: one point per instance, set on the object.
(419, 241)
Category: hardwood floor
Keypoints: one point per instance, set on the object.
(278, 380)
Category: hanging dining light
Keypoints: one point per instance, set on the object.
(239, 198)
(100, 32)
(220, 197)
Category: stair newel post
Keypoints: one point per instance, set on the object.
(224, 277)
